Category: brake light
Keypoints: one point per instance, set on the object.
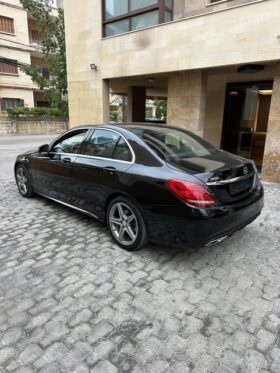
(191, 193)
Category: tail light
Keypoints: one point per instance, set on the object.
(191, 193)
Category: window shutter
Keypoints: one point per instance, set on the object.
(9, 67)
(21, 103)
(7, 25)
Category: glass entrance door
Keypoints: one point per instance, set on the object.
(246, 119)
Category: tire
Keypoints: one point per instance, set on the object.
(126, 224)
(23, 181)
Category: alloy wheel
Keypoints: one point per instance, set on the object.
(123, 224)
(22, 181)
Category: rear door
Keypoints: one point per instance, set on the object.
(52, 172)
(98, 171)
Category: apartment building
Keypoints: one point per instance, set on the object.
(216, 62)
(20, 42)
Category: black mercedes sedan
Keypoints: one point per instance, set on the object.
(146, 183)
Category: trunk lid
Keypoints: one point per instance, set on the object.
(231, 178)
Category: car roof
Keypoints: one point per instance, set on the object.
(122, 125)
(128, 126)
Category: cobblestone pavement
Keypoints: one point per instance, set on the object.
(72, 301)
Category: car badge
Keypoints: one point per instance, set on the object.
(214, 178)
(245, 170)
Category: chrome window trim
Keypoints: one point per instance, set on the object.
(229, 181)
(94, 157)
(91, 157)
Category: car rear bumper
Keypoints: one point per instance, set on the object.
(205, 225)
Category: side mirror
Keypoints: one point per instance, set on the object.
(44, 148)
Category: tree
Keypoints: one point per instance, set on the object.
(52, 30)
(161, 109)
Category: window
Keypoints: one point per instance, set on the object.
(46, 73)
(7, 25)
(11, 103)
(107, 144)
(42, 104)
(120, 16)
(117, 28)
(138, 4)
(9, 68)
(101, 144)
(144, 20)
(173, 145)
(70, 144)
(115, 8)
(122, 151)
(36, 37)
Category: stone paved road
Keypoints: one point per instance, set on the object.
(72, 301)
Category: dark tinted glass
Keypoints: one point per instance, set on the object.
(174, 145)
(122, 151)
(101, 144)
(70, 144)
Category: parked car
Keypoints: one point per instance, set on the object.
(146, 183)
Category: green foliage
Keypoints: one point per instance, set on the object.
(36, 112)
(161, 109)
(52, 30)
(114, 114)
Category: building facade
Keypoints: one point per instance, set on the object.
(20, 42)
(216, 62)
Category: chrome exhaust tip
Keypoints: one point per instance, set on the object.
(216, 241)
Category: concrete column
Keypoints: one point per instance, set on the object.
(129, 105)
(187, 100)
(136, 105)
(88, 91)
(89, 102)
(271, 162)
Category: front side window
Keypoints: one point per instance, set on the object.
(120, 16)
(70, 144)
(107, 144)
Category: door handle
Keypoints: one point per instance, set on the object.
(109, 170)
(66, 160)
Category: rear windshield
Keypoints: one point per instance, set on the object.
(173, 145)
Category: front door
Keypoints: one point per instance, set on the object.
(246, 119)
(52, 172)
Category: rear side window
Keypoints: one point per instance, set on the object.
(122, 151)
(102, 144)
(107, 144)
